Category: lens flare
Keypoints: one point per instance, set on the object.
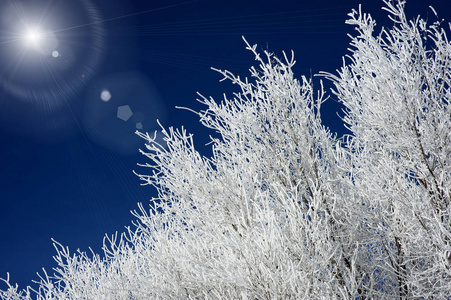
(50, 50)
(34, 34)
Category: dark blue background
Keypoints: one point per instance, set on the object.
(66, 172)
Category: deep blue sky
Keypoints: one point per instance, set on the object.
(66, 159)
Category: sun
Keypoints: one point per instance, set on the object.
(33, 36)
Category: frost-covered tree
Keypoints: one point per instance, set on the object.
(396, 90)
(283, 209)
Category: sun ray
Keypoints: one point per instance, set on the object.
(125, 16)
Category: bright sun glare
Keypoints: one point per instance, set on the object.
(33, 36)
